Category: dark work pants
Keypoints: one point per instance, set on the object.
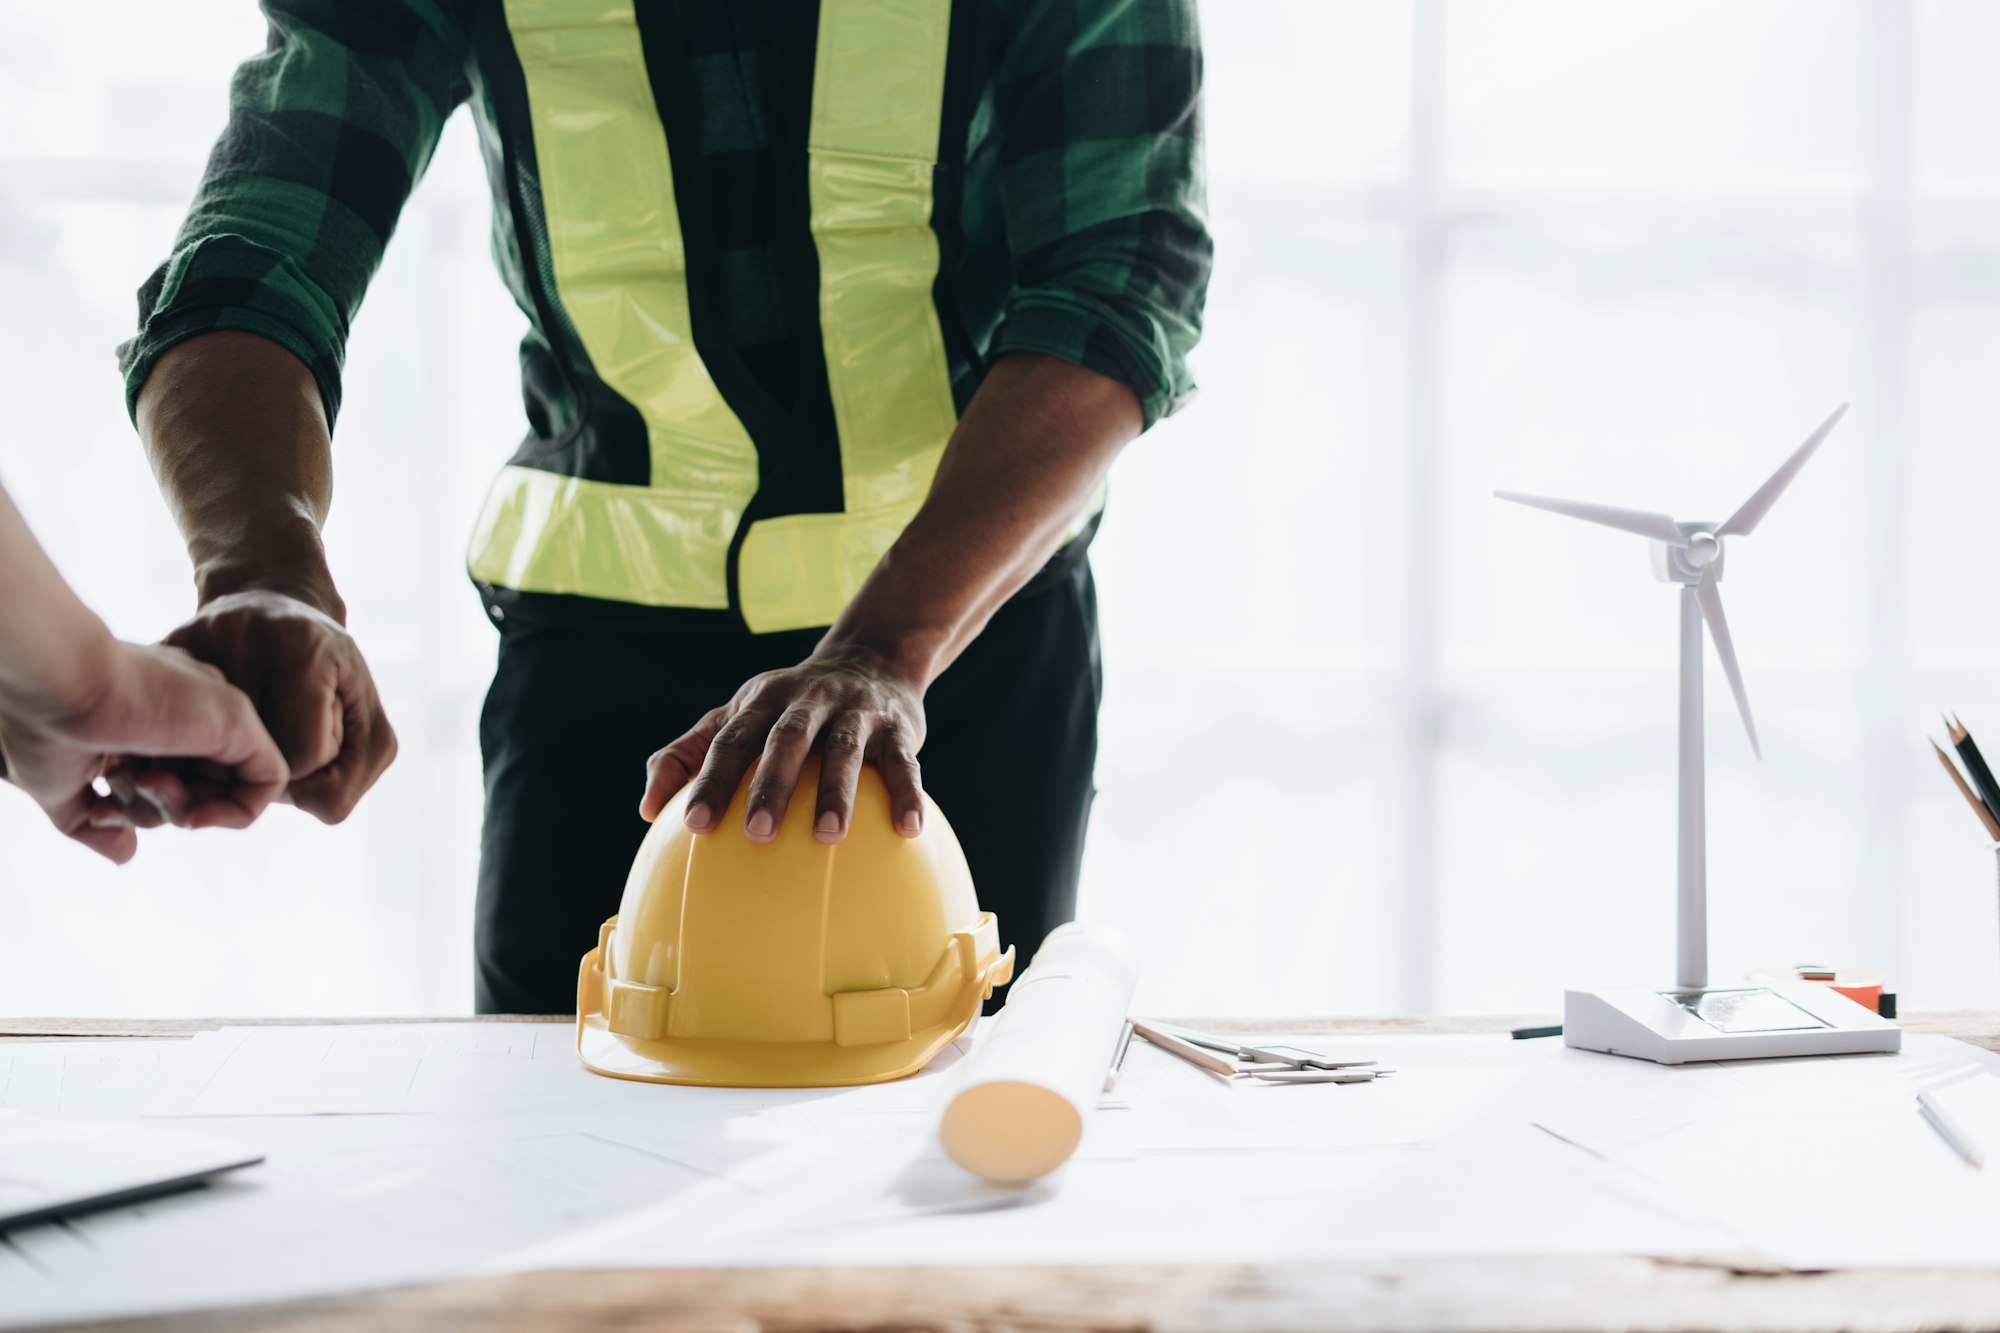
(573, 714)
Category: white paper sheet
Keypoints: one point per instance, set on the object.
(402, 1153)
(888, 1200)
(1439, 1159)
(104, 1079)
(391, 1068)
(1823, 1164)
(365, 1069)
(397, 1153)
(344, 1202)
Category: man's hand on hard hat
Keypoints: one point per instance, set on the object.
(237, 432)
(852, 704)
(1026, 458)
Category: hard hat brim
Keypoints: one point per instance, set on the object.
(755, 1064)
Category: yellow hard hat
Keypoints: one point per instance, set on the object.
(788, 964)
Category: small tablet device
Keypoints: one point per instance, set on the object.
(50, 1165)
(1746, 1009)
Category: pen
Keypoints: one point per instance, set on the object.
(1975, 764)
(1950, 1130)
(1118, 1056)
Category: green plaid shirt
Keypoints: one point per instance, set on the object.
(1068, 203)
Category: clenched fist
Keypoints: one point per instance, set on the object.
(305, 674)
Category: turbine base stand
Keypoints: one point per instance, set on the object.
(1673, 1027)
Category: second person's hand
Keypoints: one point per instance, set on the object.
(173, 740)
(850, 704)
(311, 687)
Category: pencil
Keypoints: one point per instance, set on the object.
(1975, 764)
(1186, 1050)
(1958, 780)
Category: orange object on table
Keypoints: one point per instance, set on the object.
(1863, 985)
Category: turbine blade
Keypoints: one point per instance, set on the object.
(1745, 520)
(1659, 527)
(1710, 598)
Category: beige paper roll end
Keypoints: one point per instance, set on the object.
(1010, 1131)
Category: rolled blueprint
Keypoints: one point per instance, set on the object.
(1036, 1073)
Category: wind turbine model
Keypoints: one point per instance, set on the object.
(1691, 1021)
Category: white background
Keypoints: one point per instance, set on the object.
(1373, 741)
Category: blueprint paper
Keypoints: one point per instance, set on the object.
(1829, 1163)
(343, 1203)
(401, 1153)
(391, 1068)
(875, 1200)
(1443, 1158)
(363, 1069)
(396, 1153)
(1439, 1159)
(410, 1068)
(104, 1079)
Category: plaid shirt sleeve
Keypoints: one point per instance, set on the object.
(1099, 113)
(329, 129)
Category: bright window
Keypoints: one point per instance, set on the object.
(1372, 741)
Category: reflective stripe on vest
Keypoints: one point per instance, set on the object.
(878, 91)
(621, 274)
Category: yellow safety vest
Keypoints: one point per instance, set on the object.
(621, 275)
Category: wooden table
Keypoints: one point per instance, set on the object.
(1423, 1296)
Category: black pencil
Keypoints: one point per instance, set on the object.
(1975, 764)
(1979, 810)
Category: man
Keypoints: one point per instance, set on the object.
(169, 738)
(839, 314)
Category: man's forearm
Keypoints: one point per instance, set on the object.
(1022, 465)
(1028, 455)
(237, 435)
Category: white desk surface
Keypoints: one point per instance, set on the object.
(1543, 1292)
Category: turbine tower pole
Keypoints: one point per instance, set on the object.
(1692, 939)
